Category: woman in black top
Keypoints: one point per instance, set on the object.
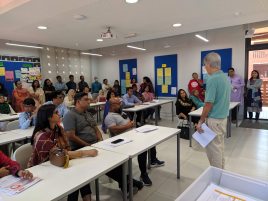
(48, 89)
(184, 106)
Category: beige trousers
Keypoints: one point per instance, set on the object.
(215, 149)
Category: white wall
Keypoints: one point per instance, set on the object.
(188, 48)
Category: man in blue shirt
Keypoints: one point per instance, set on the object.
(57, 99)
(95, 88)
(60, 86)
(28, 117)
(216, 109)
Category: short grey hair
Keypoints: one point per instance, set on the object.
(213, 59)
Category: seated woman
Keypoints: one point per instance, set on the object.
(184, 106)
(5, 108)
(8, 166)
(148, 96)
(196, 100)
(101, 97)
(69, 99)
(46, 134)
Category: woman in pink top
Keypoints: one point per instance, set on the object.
(148, 96)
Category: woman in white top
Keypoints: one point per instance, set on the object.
(37, 93)
(69, 99)
(105, 87)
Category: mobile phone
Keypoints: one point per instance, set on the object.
(117, 141)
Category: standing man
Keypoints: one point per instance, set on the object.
(216, 109)
(95, 88)
(82, 84)
(71, 84)
(237, 84)
(60, 86)
(197, 84)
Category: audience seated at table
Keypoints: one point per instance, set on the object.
(18, 96)
(28, 117)
(69, 98)
(101, 96)
(148, 96)
(118, 123)
(5, 108)
(82, 130)
(136, 92)
(196, 83)
(10, 167)
(196, 100)
(37, 93)
(57, 100)
(117, 88)
(48, 134)
(184, 106)
(48, 89)
(87, 91)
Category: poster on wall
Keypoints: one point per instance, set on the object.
(166, 75)
(127, 72)
(11, 71)
(226, 61)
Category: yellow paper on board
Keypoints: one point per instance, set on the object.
(164, 89)
(167, 72)
(2, 71)
(127, 75)
(159, 72)
(164, 65)
(128, 83)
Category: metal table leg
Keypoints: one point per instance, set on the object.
(178, 156)
(156, 115)
(190, 131)
(237, 110)
(172, 111)
(130, 179)
(97, 190)
(124, 182)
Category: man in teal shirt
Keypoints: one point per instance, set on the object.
(216, 109)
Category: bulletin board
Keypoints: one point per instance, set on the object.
(166, 75)
(226, 61)
(128, 71)
(11, 71)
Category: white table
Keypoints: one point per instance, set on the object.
(59, 182)
(198, 113)
(140, 143)
(98, 106)
(9, 117)
(147, 105)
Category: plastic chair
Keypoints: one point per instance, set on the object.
(23, 154)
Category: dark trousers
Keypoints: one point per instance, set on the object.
(256, 116)
(234, 112)
(115, 174)
(142, 159)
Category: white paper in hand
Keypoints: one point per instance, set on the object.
(204, 138)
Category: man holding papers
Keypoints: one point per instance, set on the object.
(216, 109)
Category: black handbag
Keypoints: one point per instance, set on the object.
(185, 130)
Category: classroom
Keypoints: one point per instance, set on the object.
(143, 100)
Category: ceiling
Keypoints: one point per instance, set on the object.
(149, 19)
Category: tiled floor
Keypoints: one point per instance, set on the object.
(246, 153)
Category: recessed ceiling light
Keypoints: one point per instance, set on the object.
(42, 27)
(19, 45)
(137, 48)
(237, 13)
(91, 54)
(167, 46)
(201, 37)
(132, 1)
(80, 17)
(99, 40)
(177, 25)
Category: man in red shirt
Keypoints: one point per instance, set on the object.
(197, 84)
